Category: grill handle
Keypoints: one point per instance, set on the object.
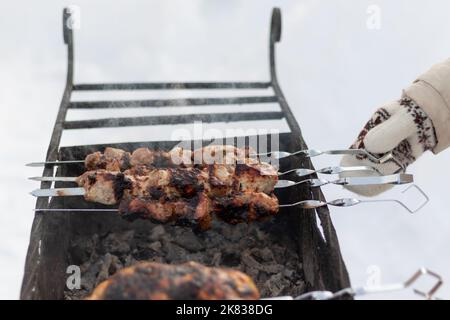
(275, 25)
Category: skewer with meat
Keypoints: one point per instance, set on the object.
(195, 212)
(188, 281)
(120, 160)
(111, 159)
(108, 187)
(167, 195)
(245, 207)
(242, 207)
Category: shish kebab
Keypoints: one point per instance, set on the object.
(114, 159)
(120, 160)
(237, 192)
(185, 195)
(216, 180)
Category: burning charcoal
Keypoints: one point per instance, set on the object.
(274, 286)
(248, 242)
(217, 257)
(118, 243)
(82, 248)
(280, 254)
(110, 265)
(213, 239)
(234, 232)
(129, 261)
(298, 289)
(230, 258)
(288, 273)
(255, 249)
(259, 234)
(157, 232)
(197, 257)
(89, 277)
(188, 240)
(155, 246)
(249, 261)
(174, 253)
(265, 254)
(272, 268)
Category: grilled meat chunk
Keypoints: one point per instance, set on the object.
(220, 154)
(245, 207)
(102, 186)
(188, 281)
(112, 159)
(167, 183)
(147, 157)
(256, 176)
(195, 211)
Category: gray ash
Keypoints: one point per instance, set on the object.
(263, 250)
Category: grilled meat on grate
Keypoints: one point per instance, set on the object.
(120, 160)
(112, 159)
(188, 281)
(197, 211)
(245, 207)
(108, 187)
(184, 195)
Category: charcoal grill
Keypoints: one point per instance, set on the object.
(47, 258)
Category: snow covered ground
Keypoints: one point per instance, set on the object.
(335, 63)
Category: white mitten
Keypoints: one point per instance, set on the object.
(400, 127)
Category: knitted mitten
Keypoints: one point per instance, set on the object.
(400, 127)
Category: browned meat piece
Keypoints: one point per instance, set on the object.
(188, 281)
(181, 157)
(166, 183)
(245, 207)
(256, 176)
(195, 211)
(112, 159)
(156, 158)
(220, 154)
(221, 179)
(103, 186)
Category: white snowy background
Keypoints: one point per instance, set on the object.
(334, 70)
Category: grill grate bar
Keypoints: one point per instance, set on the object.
(171, 85)
(170, 102)
(175, 119)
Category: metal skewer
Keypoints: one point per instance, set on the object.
(314, 153)
(273, 154)
(391, 179)
(53, 163)
(400, 178)
(305, 204)
(301, 172)
(349, 202)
